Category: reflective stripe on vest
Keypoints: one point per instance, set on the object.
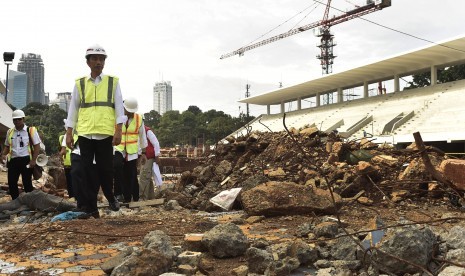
(97, 106)
(130, 135)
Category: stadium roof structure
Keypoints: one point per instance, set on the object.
(442, 54)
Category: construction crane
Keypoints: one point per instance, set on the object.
(327, 43)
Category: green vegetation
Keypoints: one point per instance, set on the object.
(190, 127)
(193, 126)
(49, 122)
(447, 74)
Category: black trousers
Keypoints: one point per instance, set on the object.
(126, 177)
(17, 167)
(103, 152)
(69, 181)
(77, 177)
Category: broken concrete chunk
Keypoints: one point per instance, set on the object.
(454, 171)
(287, 198)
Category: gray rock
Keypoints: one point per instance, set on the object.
(452, 271)
(326, 229)
(344, 248)
(455, 238)
(456, 255)
(410, 243)
(225, 240)
(258, 260)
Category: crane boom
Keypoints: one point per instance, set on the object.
(357, 12)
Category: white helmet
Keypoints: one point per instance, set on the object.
(130, 104)
(95, 50)
(18, 113)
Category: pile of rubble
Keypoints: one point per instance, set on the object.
(309, 160)
(309, 172)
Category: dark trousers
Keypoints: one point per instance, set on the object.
(17, 167)
(69, 182)
(77, 176)
(103, 152)
(126, 177)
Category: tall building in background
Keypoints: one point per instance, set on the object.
(162, 97)
(33, 66)
(63, 99)
(18, 88)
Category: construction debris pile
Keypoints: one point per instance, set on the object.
(318, 175)
(313, 160)
(301, 202)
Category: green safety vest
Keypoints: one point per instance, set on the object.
(67, 160)
(130, 135)
(97, 106)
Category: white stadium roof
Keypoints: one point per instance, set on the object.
(442, 54)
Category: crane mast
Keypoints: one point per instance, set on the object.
(326, 56)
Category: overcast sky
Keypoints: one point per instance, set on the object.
(181, 41)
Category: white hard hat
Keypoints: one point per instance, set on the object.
(130, 104)
(18, 113)
(95, 50)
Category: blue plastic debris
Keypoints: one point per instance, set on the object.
(67, 216)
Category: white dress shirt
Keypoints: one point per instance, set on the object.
(154, 141)
(75, 103)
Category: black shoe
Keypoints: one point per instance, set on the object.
(114, 206)
(94, 214)
(119, 198)
(78, 209)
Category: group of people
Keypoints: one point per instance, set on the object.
(105, 142)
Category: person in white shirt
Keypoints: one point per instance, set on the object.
(22, 153)
(126, 154)
(96, 111)
(152, 153)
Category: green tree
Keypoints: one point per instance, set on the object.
(447, 74)
(152, 119)
(49, 122)
(168, 131)
(194, 109)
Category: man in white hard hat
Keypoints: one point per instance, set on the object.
(21, 152)
(95, 109)
(127, 153)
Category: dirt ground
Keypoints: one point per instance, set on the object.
(132, 228)
(26, 239)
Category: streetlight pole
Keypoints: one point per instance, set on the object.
(8, 59)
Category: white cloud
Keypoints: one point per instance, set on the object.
(182, 41)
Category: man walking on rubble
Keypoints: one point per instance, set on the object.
(22, 145)
(96, 110)
(127, 153)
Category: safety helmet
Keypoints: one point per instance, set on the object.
(18, 113)
(95, 50)
(130, 104)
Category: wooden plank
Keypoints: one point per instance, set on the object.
(152, 202)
